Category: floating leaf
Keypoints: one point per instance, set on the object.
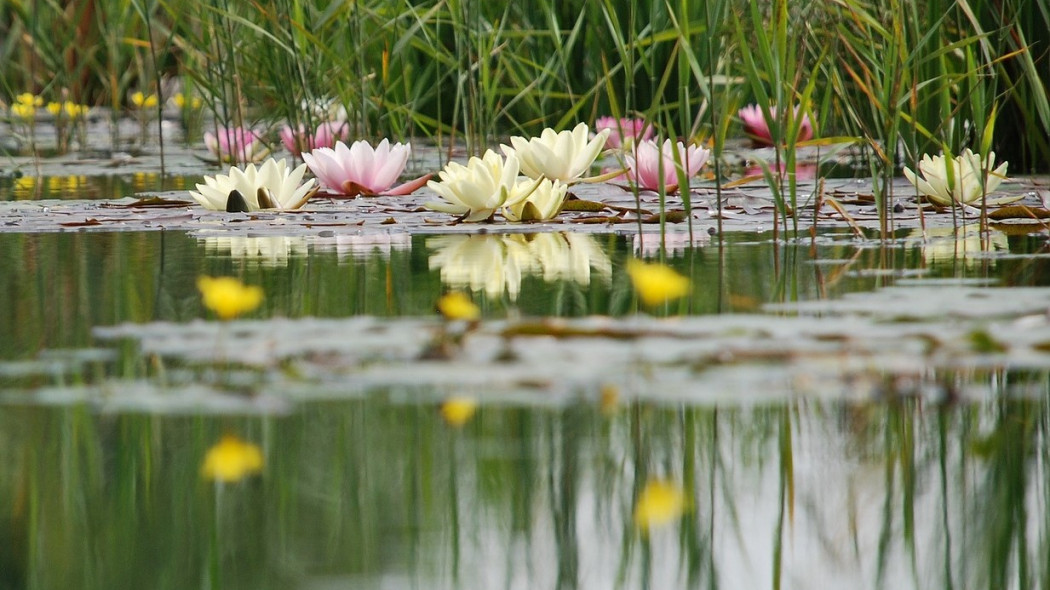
(150, 203)
(674, 216)
(1019, 212)
(582, 205)
(86, 223)
(984, 342)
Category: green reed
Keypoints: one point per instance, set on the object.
(885, 71)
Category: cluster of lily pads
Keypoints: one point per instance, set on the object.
(528, 181)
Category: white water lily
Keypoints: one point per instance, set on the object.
(543, 203)
(480, 188)
(564, 156)
(965, 186)
(271, 186)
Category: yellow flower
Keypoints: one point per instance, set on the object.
(231, 460)
(143, 101)
(54, 108)
(26, 112)
(228, 297)
(30, 99)
(74, 110)
(656, 283)
(458, 410)
(660, 503)
(458, 306)
(182, 102)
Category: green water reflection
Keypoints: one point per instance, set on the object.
(376, 491)
(28, 187)
(58, 286)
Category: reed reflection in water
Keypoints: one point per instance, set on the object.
(377, 491)
(379, 494)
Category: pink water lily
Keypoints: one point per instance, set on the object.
(644, 166)
(756, 127)
(623, 132)
(300, 139)
(236, 144)
(361, 169)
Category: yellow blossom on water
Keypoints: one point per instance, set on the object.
(660, 503)
(30, 99)
(458, 410)
(656, 283)
(228, 297)
(458, 306)
(23, 111)
(231, 460)
(143, 101)
(54, 108)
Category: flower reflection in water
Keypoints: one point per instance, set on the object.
(647, 245)
(497, 263)
(266, 251)
(364, 245)
(965, 244)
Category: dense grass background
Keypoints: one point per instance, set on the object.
(917, 77)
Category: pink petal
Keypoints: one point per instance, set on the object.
(410, 186)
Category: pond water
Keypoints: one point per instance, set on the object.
(115, 384)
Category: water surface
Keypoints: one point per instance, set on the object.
(368, 487)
